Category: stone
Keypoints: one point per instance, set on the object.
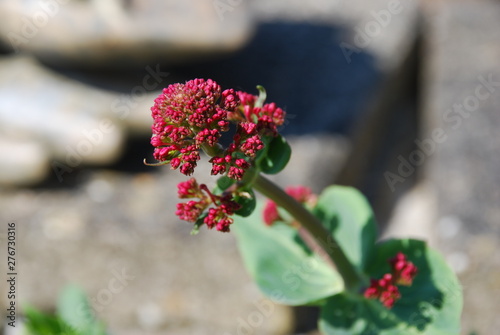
(118, 34)
(413, 215)
(315, 161)
(23, 163)
(69, 120)
(461, 98)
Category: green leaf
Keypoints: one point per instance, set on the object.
(74, 309)
(224, 182)
(246, 198)
(39, 323)
(349, 314)
(282, 269)
(262, 154)
(431, 306)
(73, 317)
(348, 215)
(276, 157)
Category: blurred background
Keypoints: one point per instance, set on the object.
(398, 98)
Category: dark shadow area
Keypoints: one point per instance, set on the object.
(301, 66)
(303, 70)
(61, 177)
(3, 50)
(137, 150)
(6, 48)
(305, 318)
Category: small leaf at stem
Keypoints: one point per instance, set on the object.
(198, 224)
(246, 198)
(276, 157)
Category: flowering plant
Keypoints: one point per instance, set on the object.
(300, 248)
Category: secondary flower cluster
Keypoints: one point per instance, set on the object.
(191, 117)
(385, 289)
(217, 216)
(253, 123)
(302, 194)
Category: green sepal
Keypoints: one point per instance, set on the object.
(262, 97)
(198, 224)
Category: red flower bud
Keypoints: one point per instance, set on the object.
(385, 289)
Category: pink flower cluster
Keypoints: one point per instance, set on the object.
(302, 194)
(217, 217)
(385, 289)
(192, 115)
(253, 123)
(403, 271)
(266, 118)
(187, 116)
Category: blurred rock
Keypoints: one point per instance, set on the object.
(414, 215)
(120, 33)
(462, 95)
(315, 161)
(23, 162)
(70, 122)
(133, 109)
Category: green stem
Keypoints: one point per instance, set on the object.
(313, 225)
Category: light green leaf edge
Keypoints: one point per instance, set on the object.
(282, 269)
(348, 215)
